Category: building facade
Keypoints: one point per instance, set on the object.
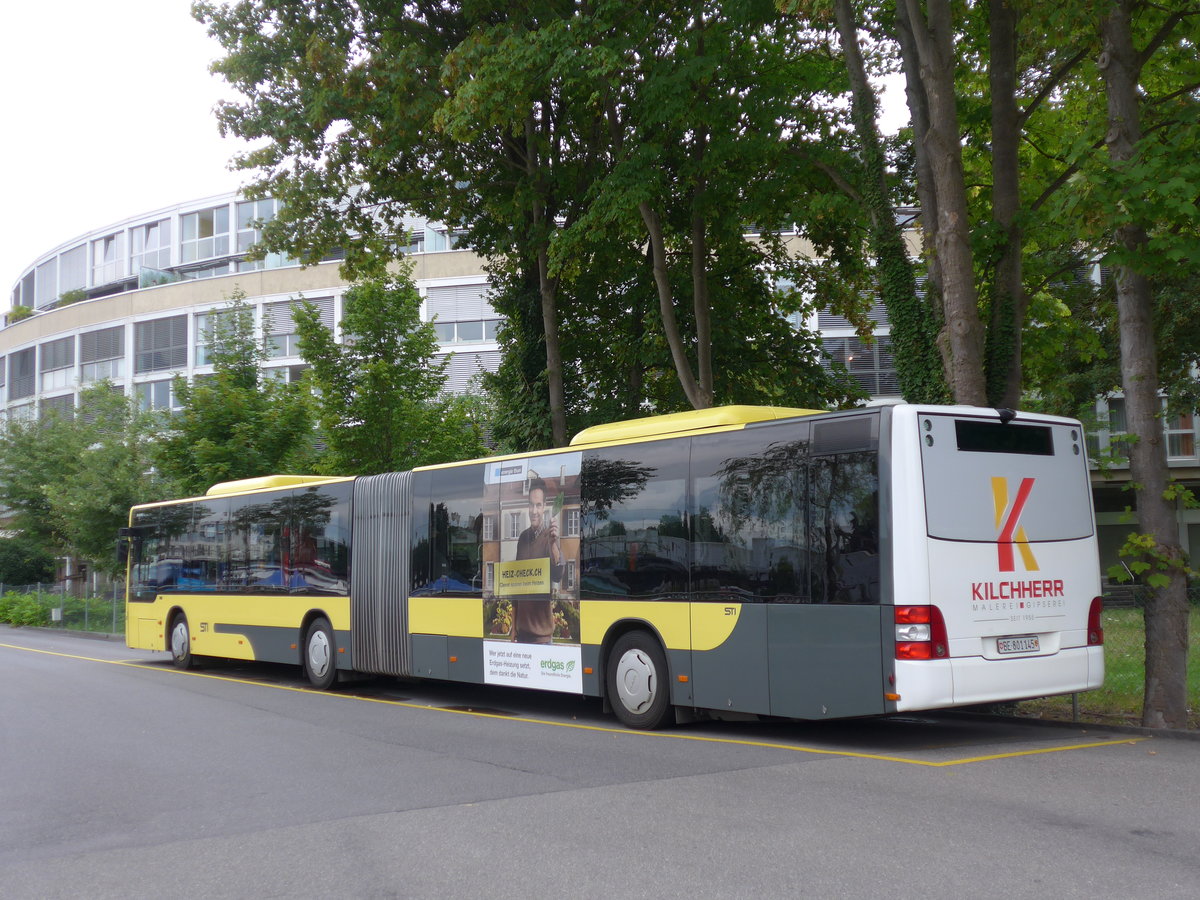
(131, 303)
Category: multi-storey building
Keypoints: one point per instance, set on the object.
(130, 303)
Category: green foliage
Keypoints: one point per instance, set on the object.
(380, 398)
(550, 129)
(23, 609)
(73, 296)
(17, 313)
(22, 561)
(240, 422)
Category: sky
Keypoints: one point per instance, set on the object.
(108, 111)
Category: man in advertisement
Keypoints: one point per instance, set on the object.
(533, 619)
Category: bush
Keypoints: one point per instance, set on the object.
(22, 609)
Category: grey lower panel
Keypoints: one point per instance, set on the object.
(430, 656)
(267, 643)
(465, 659)
(825, 661)
(379, 574)
(733, 676)
(283, 645)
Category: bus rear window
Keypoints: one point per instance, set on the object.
(992, 437)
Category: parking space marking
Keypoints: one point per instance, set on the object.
(603, 729)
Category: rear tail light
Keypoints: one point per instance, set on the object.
(921, 633)
(1095, 629)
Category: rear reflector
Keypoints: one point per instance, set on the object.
(921, 633)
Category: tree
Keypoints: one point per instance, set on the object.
(69, 481)
(380, 395)
(1121, 65)
(113, 473)
(559, 136)
(23, 561)
(240, 422)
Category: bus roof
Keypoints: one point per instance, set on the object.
(266, 482)
(693, 420)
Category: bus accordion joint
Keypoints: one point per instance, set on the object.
(920, 633)
(1095, 630)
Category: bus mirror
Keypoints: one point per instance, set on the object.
(126, 537)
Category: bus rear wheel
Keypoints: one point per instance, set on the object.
(181, 642)
(319, 648)
(637, 681)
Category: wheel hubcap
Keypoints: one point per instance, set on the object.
(637, 682)
(179, 640)
(318, 653)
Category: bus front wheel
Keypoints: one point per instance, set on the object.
(637, 681)
(181, 642)
(319, 662)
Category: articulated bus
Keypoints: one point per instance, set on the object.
(733, 562)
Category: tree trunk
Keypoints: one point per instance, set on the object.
(548, 290)
(913, 330)
(697, 394)
(1003, 359)
(932, 38)
(1165, 703)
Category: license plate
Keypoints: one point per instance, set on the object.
(1017, 645)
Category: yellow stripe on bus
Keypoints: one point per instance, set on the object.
(453, 616)
(682, 625)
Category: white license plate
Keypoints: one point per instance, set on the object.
(1017, 645)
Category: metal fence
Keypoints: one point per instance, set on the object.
(56, 606)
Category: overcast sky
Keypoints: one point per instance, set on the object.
(108, 105)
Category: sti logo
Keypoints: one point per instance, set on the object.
(1008, 523)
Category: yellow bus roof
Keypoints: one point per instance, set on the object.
(264, 482)
(693, 420)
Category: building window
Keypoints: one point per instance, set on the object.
(108, 259)
(489, 528)
(205, 325)
(871, 364)
(72, 269)
(151, 246)
(58, 407)
(1181, 434)
(47, 283)
(102, 354)
(252, 215)
(512, 526)
(466, 332)
(572, 523)
(160, 345)
(205, 234)
(58, 364)
(22, 374)
(155, 395)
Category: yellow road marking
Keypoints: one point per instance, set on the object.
(603, 729)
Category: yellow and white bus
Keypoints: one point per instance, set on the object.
(737, 561)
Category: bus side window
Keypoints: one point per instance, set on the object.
(844, 527)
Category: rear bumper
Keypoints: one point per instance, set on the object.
(965, 681)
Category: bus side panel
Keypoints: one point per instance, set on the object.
(825, 661)
(733, 675)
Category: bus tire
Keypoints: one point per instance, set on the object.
(320, 664)
(638, 689)
(180, 642)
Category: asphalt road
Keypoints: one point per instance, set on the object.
(121, 777)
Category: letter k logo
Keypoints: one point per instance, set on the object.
(1008, 523)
